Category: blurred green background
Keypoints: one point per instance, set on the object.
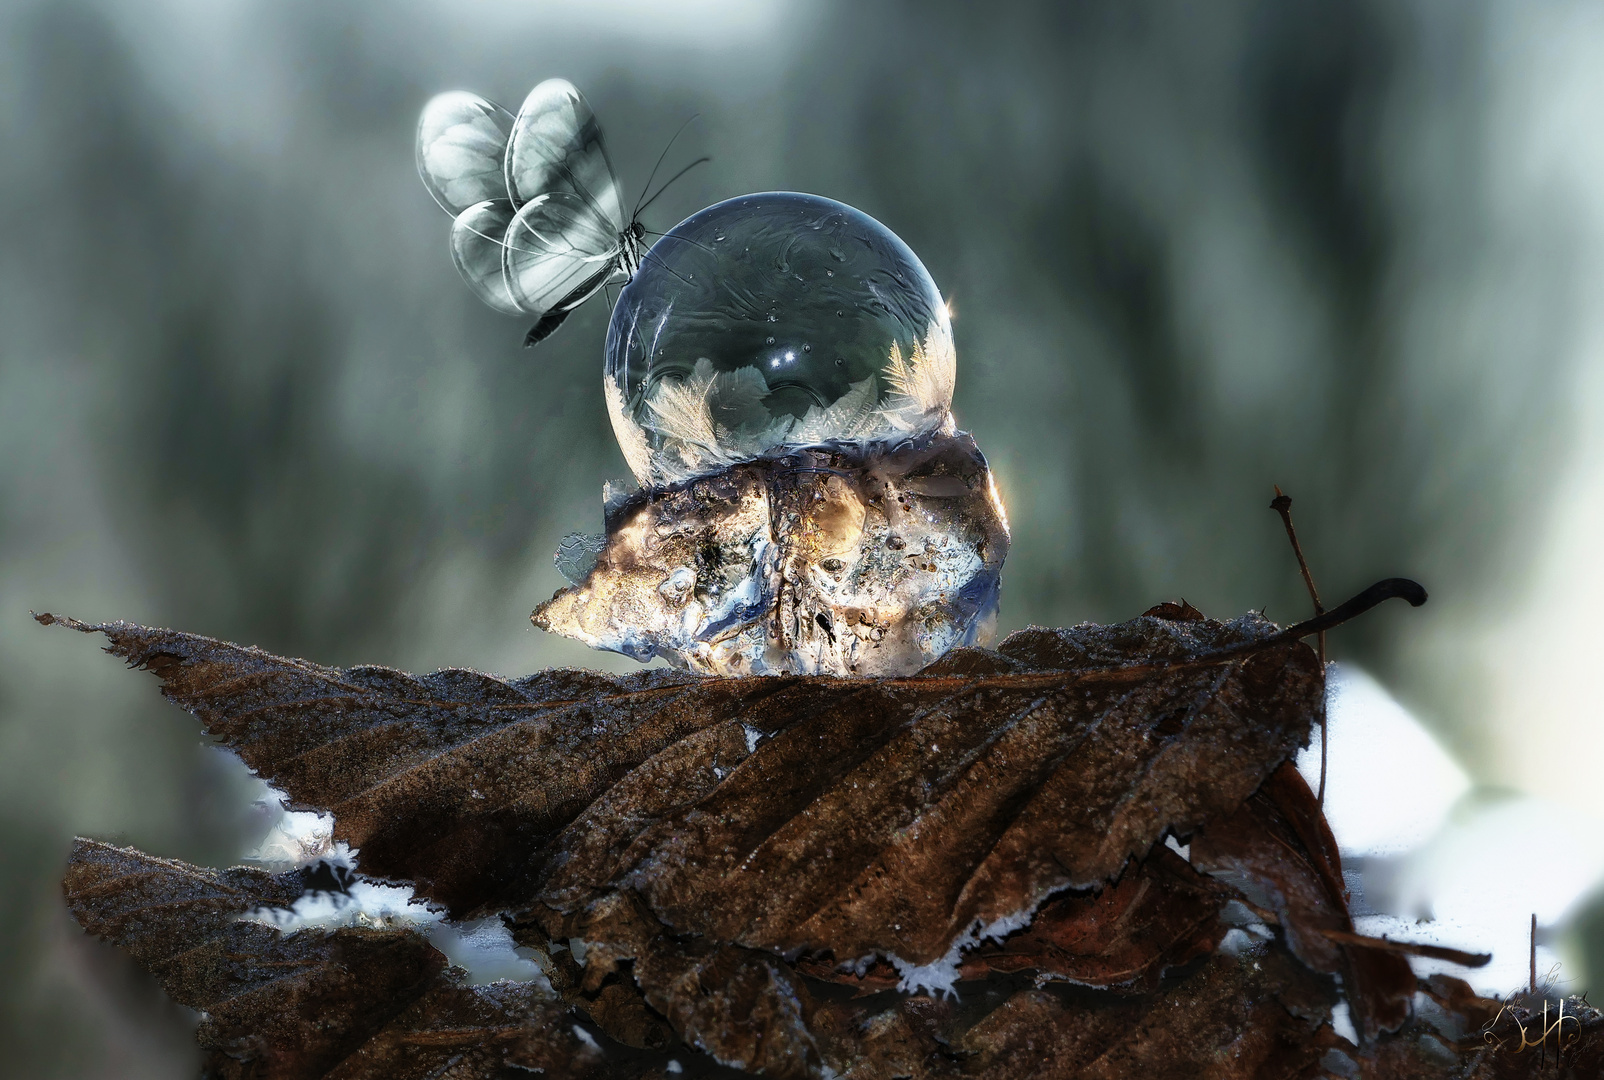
(1195, 250)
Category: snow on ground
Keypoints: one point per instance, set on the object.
(1439, 861)
(1389, 785)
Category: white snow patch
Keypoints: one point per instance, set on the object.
(935, 978)
(1006, 925)
(295, 840)
(1236, 913)
(1241, 939)
(1477, 884)
(1499, 862)
(1440, 862)
(485, 949)
(1342, 1022)
(753, 737)
(1510, 966)
(1237, 941)
(299, 839)
(587, 1038)
(1389, 785)
(367, 903)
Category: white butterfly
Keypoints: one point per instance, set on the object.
(539, 224)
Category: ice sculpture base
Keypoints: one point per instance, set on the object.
(837, 559)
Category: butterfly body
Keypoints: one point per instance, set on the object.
(538, 224)
(631, 251)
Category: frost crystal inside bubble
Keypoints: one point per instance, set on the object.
(773, 321)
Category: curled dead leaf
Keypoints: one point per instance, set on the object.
(754, 864)
(898, 817)
(353, 1003)
(1280, 842)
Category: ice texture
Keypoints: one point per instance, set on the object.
(841, 559)
(769, 322)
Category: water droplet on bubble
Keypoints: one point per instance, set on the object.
(693, 384)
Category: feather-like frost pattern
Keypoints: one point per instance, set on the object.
(709, 420)
(854, 417)
(922, 385)
(630, 435)
(681, 412)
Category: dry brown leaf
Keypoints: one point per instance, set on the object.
(1280, 842)
(898, 816)
(695, 833)
(744, 1008)
(788, 814)
(1160, 915)
(350, 1003)
(1254, 1017)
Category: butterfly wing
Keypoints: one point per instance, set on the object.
(556, 146)
(558, 250)
(537, 208)
(462, 147)
(477, 237)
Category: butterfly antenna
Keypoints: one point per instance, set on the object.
(647, 186)
(665, 266)
(642, 209)
(682, 239)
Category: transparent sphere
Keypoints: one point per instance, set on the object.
(772, 321)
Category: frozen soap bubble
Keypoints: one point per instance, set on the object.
(774, 321)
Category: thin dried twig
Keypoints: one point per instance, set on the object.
(1534, 953)
(1282, 504)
